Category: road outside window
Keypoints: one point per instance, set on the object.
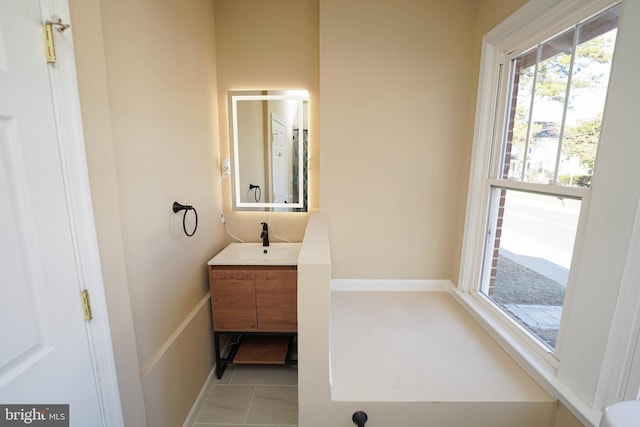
(532, 258)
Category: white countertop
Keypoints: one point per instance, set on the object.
(256, 254)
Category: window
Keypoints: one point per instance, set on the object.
(541, 171)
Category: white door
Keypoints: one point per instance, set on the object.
(44, 349)
(278, 160)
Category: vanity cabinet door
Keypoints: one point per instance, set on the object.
(276, 300)
(233, 299)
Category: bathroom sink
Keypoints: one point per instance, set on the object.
(259, 252)
(256, 254)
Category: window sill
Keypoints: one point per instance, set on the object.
(534, 360)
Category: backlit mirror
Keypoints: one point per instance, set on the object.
(269, 140)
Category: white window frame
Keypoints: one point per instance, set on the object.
(500, 46)
(535, 22)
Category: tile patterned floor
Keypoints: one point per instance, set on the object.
(251, 395)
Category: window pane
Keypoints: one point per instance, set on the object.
(524, 71)
(557, 100)
(531, 257)
(552, 78)
(592, 65)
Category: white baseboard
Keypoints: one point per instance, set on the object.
(390, 285)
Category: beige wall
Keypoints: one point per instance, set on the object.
(268, 45)
(147, 82)
(410, 195)
(564, 418)
(399, 82)
(395, 82)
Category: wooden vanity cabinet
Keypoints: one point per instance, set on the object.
(254, 299)
(259, 306)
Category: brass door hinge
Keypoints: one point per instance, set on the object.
(86, 305)
(49, 46)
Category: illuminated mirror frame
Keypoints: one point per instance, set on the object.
(300, 96)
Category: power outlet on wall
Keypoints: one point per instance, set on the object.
(226, 168)
(222, 220)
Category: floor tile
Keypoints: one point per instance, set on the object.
(226, 404)
(274, 405)
(265, 375)
(250, 395)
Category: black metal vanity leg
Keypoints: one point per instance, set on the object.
(219, 368)
(287, 358)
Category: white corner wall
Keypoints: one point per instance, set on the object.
(316, 407)
(314, 279)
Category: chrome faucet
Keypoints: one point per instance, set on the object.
(265, 234)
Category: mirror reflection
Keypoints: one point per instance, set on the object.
(269, 140)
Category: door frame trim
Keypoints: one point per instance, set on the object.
(73, 160)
